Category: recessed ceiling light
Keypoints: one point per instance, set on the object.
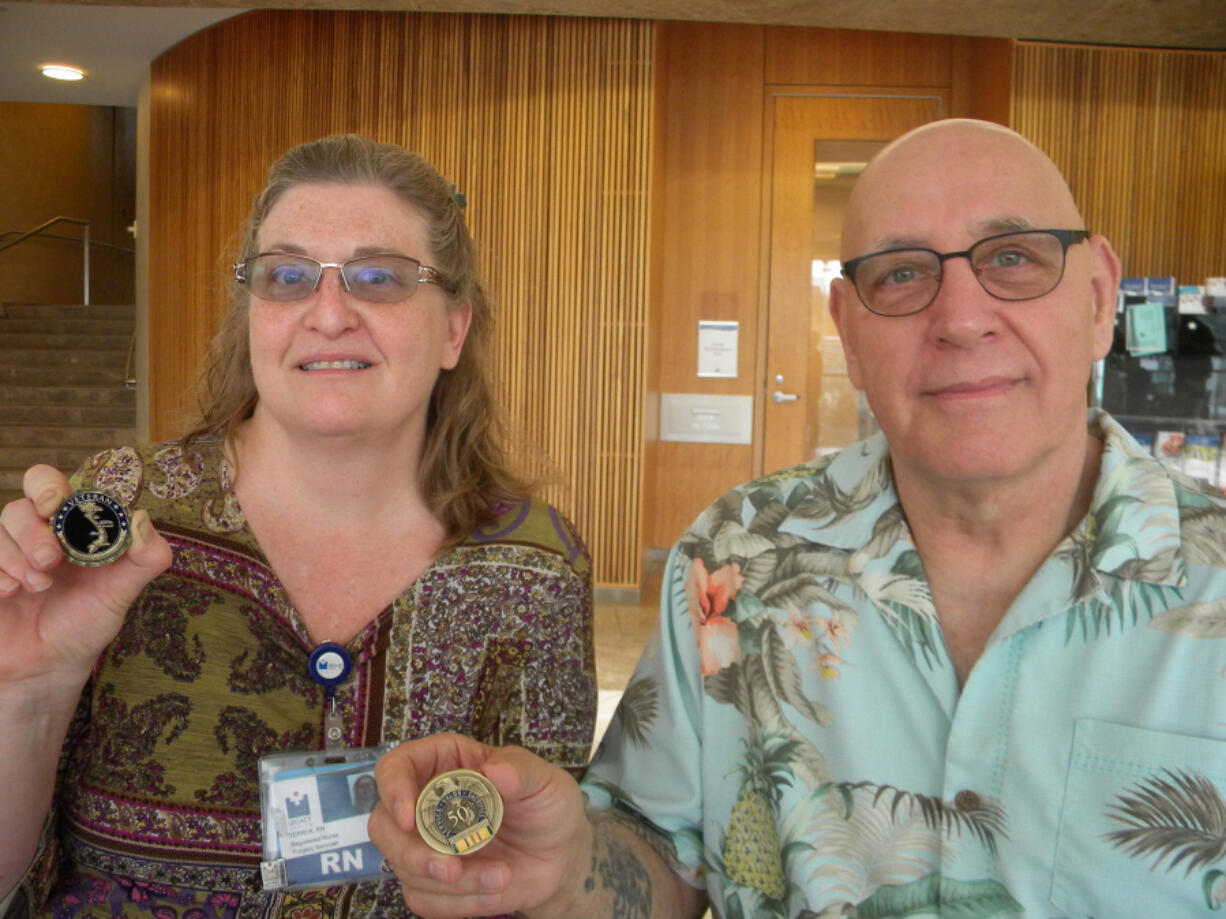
(62, 72)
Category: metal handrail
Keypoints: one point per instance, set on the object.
(72, 239)
(84, 240)
(129, 370)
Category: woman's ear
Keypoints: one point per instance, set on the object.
(459, 320)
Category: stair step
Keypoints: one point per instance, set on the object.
(85, 325)
(58, 376)
(68, 311)
(118, 416)
(25, 341)
(63, 395)
(116, 395)
(91, 438)
(57, 357)
(65, 458)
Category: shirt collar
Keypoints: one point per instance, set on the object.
(1133, 523)
(847, 499)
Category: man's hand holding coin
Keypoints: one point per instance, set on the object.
(531, 849)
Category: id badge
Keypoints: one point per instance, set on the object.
(314, 808)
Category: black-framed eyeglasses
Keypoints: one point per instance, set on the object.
(377, 278)
(1020, 265)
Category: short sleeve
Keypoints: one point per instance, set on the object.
(648, 765)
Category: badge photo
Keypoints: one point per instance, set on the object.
(314, 809)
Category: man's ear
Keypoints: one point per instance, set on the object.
(1105, 274)
(843, 299)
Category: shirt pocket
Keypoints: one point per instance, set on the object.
(1143, 824)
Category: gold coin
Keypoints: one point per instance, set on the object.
(458, 812)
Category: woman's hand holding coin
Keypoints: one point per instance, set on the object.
(58, 617)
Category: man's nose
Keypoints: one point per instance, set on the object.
(962, 311)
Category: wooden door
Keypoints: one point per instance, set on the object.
(820, 142)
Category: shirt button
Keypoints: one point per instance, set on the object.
(966, 801)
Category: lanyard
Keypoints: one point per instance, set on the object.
(330, 665)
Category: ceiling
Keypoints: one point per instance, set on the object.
(115, 42)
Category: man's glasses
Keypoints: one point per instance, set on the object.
(378, 278)
(1021, 265)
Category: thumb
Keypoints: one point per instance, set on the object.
(147, 557)
(510, 774)
(149, 549)
(522, 776)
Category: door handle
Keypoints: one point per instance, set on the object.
(785, 397)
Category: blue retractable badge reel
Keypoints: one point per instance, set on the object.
(330, 665)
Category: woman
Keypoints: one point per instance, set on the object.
(345, 484)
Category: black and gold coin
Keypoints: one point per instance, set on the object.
(93, 527)
(458, 812)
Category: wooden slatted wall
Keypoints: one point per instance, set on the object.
(543, 122)
(1141, 137)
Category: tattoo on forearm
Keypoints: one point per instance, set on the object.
(621, 874)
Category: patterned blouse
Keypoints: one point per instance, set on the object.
(157, 810)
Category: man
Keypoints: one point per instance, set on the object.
(967, 667)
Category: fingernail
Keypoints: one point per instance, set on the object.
(437, 869)
(38, 581)
(45, 555)
(48, 498)
(142, 528)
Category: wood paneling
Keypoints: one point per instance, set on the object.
(706, 228)
(1141, 137)
(852, 58)
(982, 79)
(544, 123)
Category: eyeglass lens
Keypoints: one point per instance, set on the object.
(381, 278)
(1013, 266)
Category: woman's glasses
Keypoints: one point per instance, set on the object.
(377, 278)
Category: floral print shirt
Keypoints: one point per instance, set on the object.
(157, 805)
(796, 732)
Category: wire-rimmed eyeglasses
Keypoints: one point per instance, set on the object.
(1020, 265)
(377, 278)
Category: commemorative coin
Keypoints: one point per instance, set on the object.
(458, 812)
(93, 527)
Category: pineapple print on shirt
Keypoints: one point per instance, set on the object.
(752, 854)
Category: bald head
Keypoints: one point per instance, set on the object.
(974, 364)
(955, 175)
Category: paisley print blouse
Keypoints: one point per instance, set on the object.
(157, 808)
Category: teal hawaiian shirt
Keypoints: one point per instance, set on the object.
(795, 730)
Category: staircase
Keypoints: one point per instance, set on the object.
(63, 394)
